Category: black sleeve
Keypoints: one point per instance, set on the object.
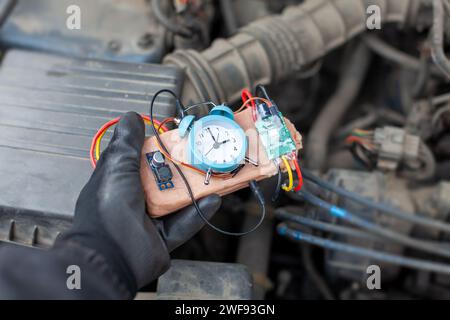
(28, 273)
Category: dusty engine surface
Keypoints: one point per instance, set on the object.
(366, 82)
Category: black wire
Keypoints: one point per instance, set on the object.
(279, 182)
(262, 89)
(180, 108)
(167, 23)
(253, 185)
(316, 277)
(229, 16)
(362, 156)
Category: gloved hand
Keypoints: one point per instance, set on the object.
(110, 215)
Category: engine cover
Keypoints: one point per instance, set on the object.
(51, 107)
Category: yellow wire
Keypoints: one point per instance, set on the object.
(97, 146)
(99, 140)
(291, 178)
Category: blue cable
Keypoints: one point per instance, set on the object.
(341, 213)
(296, 235)
(420, 220)
(285, 214)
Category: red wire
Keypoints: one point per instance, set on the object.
(246, 95)
(162, 124)
(299, 175)
(108, 125)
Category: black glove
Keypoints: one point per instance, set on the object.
(110, 215)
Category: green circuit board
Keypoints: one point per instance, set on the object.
(275, 136)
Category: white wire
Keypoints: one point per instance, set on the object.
(200, 104)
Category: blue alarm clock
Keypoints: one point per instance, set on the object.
(216, 143)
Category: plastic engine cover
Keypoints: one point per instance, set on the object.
(50, 109)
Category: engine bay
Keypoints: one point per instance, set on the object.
(365, 83)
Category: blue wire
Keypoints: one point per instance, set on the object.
(296, 235)
(427, 246)
(285, 214)
(420, 220)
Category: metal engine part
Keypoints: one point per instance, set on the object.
(200, 280)
(378, 187)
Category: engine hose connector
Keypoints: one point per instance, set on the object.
(277, 46)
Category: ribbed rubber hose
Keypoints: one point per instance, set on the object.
(277, 46)
(437, 47)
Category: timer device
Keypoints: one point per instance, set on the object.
(216, 142)
(204, 155)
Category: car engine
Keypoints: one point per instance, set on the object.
(365, 82)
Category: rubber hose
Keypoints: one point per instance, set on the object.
(337, 106)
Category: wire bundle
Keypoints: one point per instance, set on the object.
(375, 231)
(290, 186)
(362, 147)
(361, 137)
(253, 185)
(96, 141)
(247, 97)
(160, 127)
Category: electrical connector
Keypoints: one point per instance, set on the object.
(394, 146)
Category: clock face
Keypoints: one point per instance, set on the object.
(219, 143)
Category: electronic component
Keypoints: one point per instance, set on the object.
(161, 171)
(264, 110)
(395, 145)
(275, 136)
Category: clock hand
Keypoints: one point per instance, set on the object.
(226, 141)
(209, 151)
(209, 130)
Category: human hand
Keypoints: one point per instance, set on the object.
(110, 215)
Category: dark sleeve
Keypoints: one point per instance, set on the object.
(28, 273)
